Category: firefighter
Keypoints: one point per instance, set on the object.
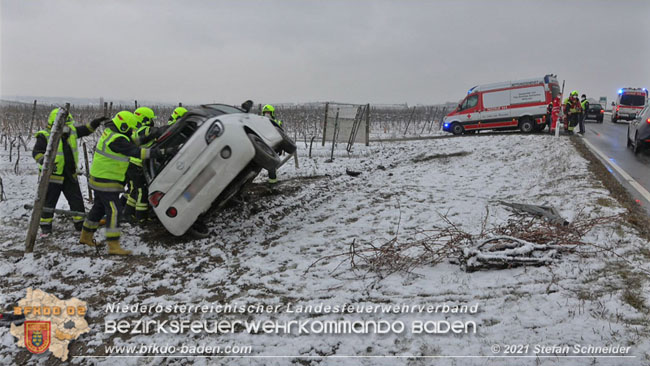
(107, 178)
(64, 174)
(584, 105)
(572, 110)
(137, 205)
(176, 114)
(269, 112)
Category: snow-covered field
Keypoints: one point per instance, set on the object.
(260, 252)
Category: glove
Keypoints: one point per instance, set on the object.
(170, 151)
(156, 153)
(156, 132)
(97, 121)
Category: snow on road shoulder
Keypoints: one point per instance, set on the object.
(269, 249)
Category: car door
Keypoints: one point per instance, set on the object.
(468, 113)
(495, 108)
(634, 124)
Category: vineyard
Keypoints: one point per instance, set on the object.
(19, 121)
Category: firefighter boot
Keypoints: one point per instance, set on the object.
(87, 238)
(115, 248)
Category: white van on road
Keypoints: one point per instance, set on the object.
(629, 103)
(521, 104)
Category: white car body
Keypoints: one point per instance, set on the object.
(198, 173)
(629, 103)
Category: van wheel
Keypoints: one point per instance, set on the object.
(264, 157)
(526, 125)
(457, 129)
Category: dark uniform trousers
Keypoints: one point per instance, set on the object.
(137, 202)
(70, 188)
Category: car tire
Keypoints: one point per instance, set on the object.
(526, 125)
(287, 145)
(457, 129)
(627, 137)
(199, 230)
(264, 157)
(636, 148)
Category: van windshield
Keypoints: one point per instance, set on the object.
(632, 100)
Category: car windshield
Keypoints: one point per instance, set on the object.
(632, 100)
(595, 106)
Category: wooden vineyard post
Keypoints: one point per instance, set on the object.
(31, 124)
(44, 178)
(325, 123)
(90, 191)
(368, 124)
(336, 127)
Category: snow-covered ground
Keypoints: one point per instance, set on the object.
(261, 250)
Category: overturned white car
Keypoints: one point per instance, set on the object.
(221, 149)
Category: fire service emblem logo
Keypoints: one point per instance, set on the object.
(37, 336)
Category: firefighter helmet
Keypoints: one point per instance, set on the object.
(269, 108)
(125, 121)
(144, 116)
(52, 117)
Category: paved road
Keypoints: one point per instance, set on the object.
(610, 139)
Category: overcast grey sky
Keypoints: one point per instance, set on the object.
(300, 51)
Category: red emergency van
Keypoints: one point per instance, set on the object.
(520, 104)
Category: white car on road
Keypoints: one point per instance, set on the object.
(221, 149)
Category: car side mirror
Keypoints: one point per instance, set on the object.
(247, 105)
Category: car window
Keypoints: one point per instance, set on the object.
(555, 91)
(224, 109)
(595, 106)
(470, 102)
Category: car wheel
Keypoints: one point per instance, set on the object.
(199, 229)
(526, 125)
(636, 147)
(457, 129)
(627, 137)
(265, 157)
(287, 144)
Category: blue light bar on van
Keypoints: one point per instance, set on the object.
(620, 91)
(446, 125)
